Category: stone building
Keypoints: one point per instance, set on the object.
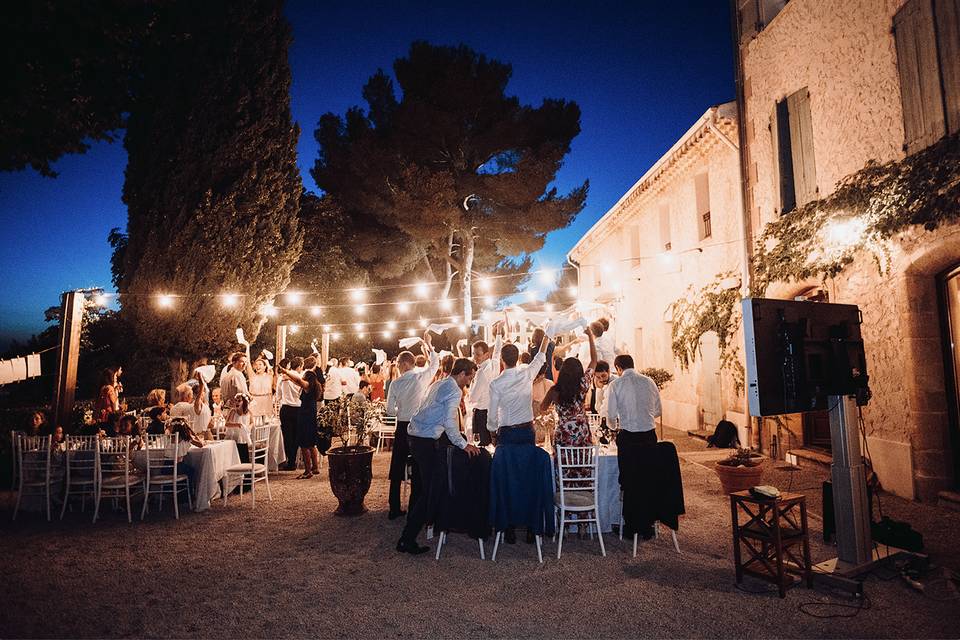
(824, 88)
(675, 229)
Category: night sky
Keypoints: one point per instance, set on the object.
(642, 73)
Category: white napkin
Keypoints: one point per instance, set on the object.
(440, 328)
(406, 343)
(19, 369)
(381, 356)
(564, 325)
(207, 372)
(267, 355)
(240, 337)
(33, 365)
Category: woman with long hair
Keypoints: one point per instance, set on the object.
(377, 383)
(262, 383)
(569, 392)
(311, 384)
(108, 399)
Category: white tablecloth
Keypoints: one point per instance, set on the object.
(276, 455)
(608, 488)
(209, 464)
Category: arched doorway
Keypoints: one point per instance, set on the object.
(949, 302)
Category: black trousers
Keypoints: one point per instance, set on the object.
(398, 464)
(627, 439)
(480, 426)
(426, 453)
(288, 427)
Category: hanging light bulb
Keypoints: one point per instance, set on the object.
(423, 323)
(547, 276)
(411, 332)
(293, 297)
(573, 291)
(484, 284)
(358, 327)
(403, 307)
(422, 290)
(392, 325)
(359, 310)
(446, 304)
(387, 334)
(358, 295)
(293, 328)
(230, 299)
(315, 311)
(165, 301)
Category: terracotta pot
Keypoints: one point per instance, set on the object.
(736, 479)
(351, 470)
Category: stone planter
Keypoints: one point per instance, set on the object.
(351, 470)
(739, 478)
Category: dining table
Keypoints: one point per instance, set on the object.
(609, 498)
(209, 464)
(276, 452)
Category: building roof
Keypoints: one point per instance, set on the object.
(716, 117)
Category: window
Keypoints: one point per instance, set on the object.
(597, 280)
(755, 15)
(634, 245)
(927, 38)
(701, 185)
(795, 171)
(665, 227)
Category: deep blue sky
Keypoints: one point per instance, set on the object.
(641, 71)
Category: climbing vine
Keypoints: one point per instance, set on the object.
(822, 238)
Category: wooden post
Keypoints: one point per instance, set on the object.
(281, 343)
(65, 391)
(324, 350)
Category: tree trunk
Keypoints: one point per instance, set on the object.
(178, 375)
(466, 277)
(447, 270)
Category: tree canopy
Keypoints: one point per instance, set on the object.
(212, 186)
(451, 177)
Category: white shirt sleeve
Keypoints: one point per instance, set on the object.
(657, 407)
(534, 367)
(494, 408)
(451, 421)
(495, 358)
(392, 394)
(612, 406)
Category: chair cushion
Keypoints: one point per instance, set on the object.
(245, 468)
(576, 498)
(167, 478)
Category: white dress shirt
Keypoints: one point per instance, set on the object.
(635, 400)
(407, 391)
(351, 379)
(333, 387)
(232, 383)
(289, 392)
(439, 413)
(187, 410)
(486, 372)
(511, 395)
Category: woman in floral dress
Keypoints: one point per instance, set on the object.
(573, 428)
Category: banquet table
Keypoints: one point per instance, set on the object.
(276, 454)
(209, 464)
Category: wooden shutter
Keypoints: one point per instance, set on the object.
(634, 244)
(801, 147)
(948, 44)
(701, 186)
(749, 20)
(915, 38)
(665, 243)
(783, 186)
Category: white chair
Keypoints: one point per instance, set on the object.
(387, 430)
(81, 478)
(443, 538)
(163, 474)
(499, 537)
(13, 458)
(254, 471)
(32, 454)
(577, 493)
(219, 429)
(656, 531)
(114, 477)
(594, 419)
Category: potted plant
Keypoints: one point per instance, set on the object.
(351, 466)
(740, 471)
(661, 378)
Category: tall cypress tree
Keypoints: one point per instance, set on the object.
(212, 186)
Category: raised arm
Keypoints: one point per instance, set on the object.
(593, 350)
(296, 377)
(548, 399)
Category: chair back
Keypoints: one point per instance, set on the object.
(388, 424)
(82, 453)
(32, 454)
(594, 420)
(219, 428)
(114, 457)
(259, 444)
(161, 454)
(577, 469)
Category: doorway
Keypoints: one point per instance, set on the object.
(711, 404)
(949, 290)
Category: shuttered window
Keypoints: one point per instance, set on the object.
(665, 227)
(948, 46)
(919, 69)
(795, 168)
(634, 244)
(701, 184)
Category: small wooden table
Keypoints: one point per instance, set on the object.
(771, 534)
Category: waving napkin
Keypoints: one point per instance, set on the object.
(240, 337)
(207, 372)
(406, 343)
(440, 328)
(381, 356)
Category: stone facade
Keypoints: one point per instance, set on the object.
(844, 53)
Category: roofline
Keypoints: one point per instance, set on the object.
(708, 116)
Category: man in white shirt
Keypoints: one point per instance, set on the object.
(634, 402)
(510, 415)
(333, 386)
(488, 367)
(438, 419)
(350, 377)
(236, 400)
(403, 400)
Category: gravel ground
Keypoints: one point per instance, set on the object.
(290, 568)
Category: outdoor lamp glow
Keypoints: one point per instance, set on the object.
(358, 327)
(422, 290)
(547, 276)
(334, 336)
(359, 309)
(293, 328)
(230, 299)
(387, 334)
(446, 304)
(293, 297)
(411, 332)
(392, 325)
(165, 301)
(326, 328)
(315, 311)
(423, 323)
(484, 284)
(403, 307)
(357, 295)
(841, 233)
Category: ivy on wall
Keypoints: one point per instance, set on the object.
(822, 238)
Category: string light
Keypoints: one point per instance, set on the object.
(293, 328)
(315, 311)
(392, 325)
(359, 310)
(165, 301)
(334, 336)
(422, 290)
(573, 291)
(403, 307)
(411, 333)
(358, 327)
(293, 297)
(423, 323)
(547, 276)
(446, 304)
(484, 284)
(230, 299)
(357, 295)
(387, 334)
